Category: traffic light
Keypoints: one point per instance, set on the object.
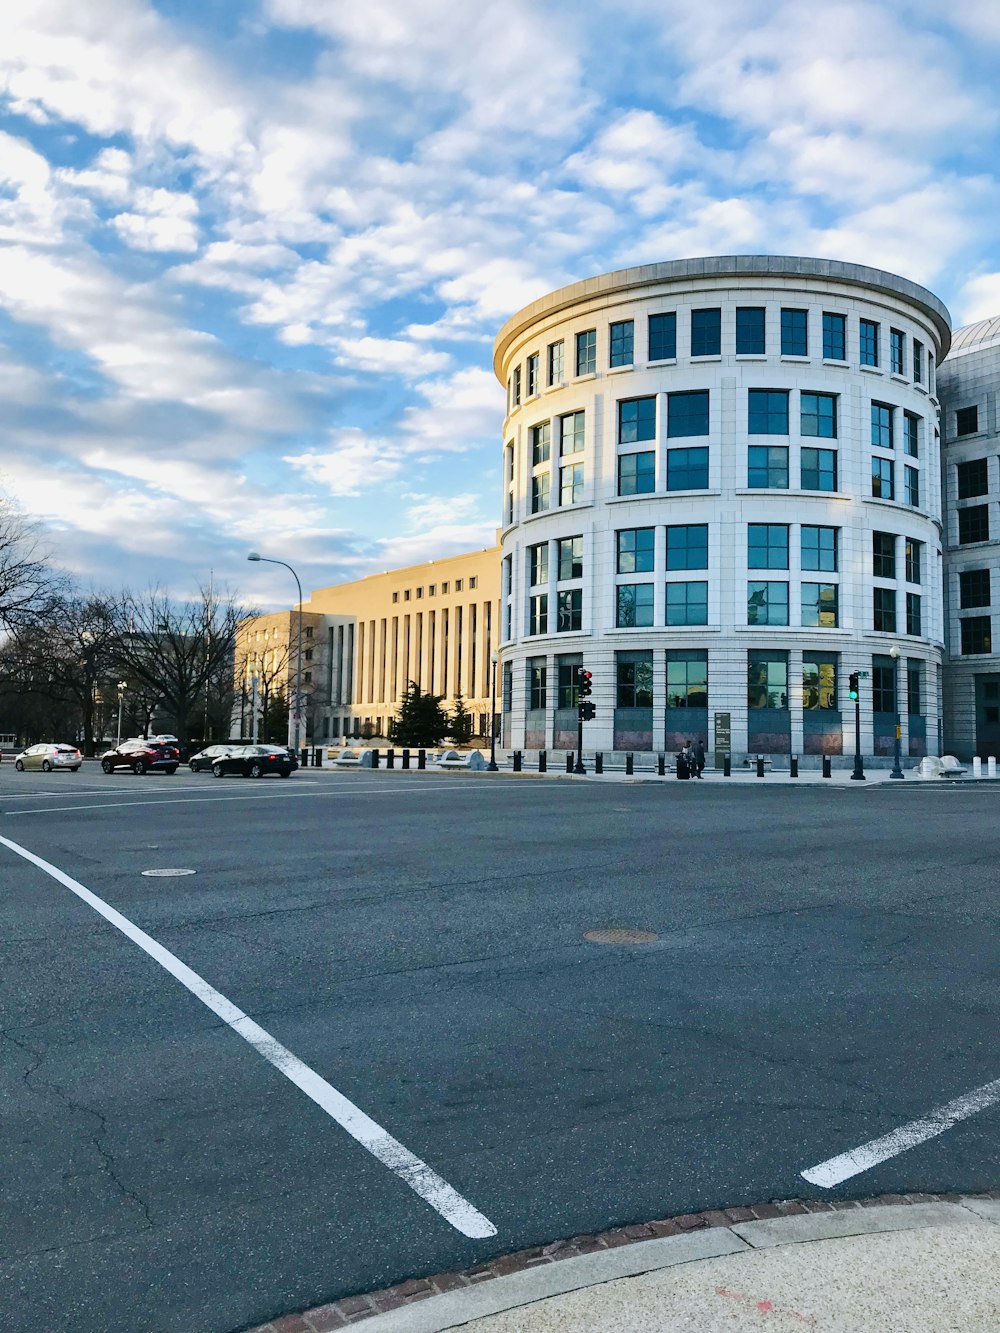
(587, 711)
(852, 685)
(584, 689)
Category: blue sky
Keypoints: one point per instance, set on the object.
(253, 255)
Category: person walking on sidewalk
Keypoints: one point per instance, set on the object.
(699, 758)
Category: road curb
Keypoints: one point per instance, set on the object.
(449, 1300)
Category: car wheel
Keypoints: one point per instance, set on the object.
(286, 773)
(46, 766)
(256, 771)
(217, 769)
(107, 765)
(19, 765)
(139, 767)
(193, 766)
(171, 769)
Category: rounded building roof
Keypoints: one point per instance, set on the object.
(735, 267)
(984, 333)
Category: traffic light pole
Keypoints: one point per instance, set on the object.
(859, 768)
(579, 741)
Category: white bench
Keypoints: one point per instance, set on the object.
(452, 759)
(945, 767)
(348, 759)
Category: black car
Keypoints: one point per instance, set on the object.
(142, 756)
(207, 757)
(255, 761)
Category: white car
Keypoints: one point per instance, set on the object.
(49, 758)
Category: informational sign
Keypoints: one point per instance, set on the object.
(723, 737)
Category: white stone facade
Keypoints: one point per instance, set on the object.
(905, 328)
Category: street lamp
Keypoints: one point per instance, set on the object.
(897, 771)
(122, 687)
(298, 654)
(492, 765)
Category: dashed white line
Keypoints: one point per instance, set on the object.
(379, 1142)
(848, 1164)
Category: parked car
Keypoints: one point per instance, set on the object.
(205, 758)
(256, 761)
(142, 756)
(49, 757)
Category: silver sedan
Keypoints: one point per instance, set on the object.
(49, 758)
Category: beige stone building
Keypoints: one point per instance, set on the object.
(363, 642)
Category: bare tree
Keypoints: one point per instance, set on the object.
(27, 581)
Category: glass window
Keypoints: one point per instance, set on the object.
(869, 342)
(537, 676)
(883, 686)
(687, 546)
(571, 432)
(687, 413)
(974, 524)
(767, 466)
(897, 352)
(570, 609)
(767, 680)
(635, 550)
(973, 478)
(570, 558)
(586, 352)
(768, 412)
(622, 343)
(636, 420)
(819, 548)
(571, 484)
(540, 486)
(538, 607)
(557, 359)
(913, 551)
(687, 604)
(976, 635)
(974, 588)
(533, 385)
(636, 473)
(882, 422)
(819, 681)
(767, 603)
(474, 582)
(767, 545)
(687, 469)
(538, 564)
(913, 613)
(706, 332)
(687, 679)
(883, 481)
(911, 434)
(635, 679)
(885, 610)
(911, 487)
(541, 443)
(967, 421)
(750, 330)
(834, 337)
(517, 386)
(795, 333)
(914, 684)
(883, 555)
(569, 682)
(819, 469)
(662, 337)
(819, 605)
(818, 415)
(918, 361)
(635, 605)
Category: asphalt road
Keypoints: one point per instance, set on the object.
(824, 971)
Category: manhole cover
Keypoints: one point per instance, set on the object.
(619, 936)
(165, 874)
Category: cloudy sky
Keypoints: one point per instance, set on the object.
(253, 253)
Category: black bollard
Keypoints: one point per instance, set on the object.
(793, 766)
(569, 762)
(421, 759)
(727, 766)
(375, 758)
(827, 767)
(629, 763)
(303, 758)
(406, 759)
(390, 758)
(599, 762)
(760, 765)
(317, 757)
(517, 761)
(543, 761)
(661, 765)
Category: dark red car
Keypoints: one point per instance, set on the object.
(142, 756)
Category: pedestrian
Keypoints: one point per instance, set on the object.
(683, 771)
(699, 758)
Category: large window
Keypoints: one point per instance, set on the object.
(973, 478)
(883, 479)
(516, 387)
(818, 415)
(767, 466)
(538, 565)
(634, 672)
(795, 333)
(540, 486)
(767, 412)
(687, 413)
(538, 610)
(819, 605)
(869, 342)
(750, 330)
(636, 473)
(568, 680)
(663, 337)
(622, 343)
(541, 443)
(914, 686)
(976, 635)
(897, 352)
(819, 681)
(635, 605)
(557, 362)
(687, 603)
(767, 680)
(635, 550)
(571, 484)
(706, 332)
(636, 420)
(819, 469)
(767, 545)
(687, 546)
(537, 676)
(767, 603)
(571, 433)
(882, 422)
(913, 552)
(834, 337)
(974, 524)
(911, 487)
(883, 555)
(687, 469)
(586, 352)
(570, 558)
(911, 434)
(973, 588)
(918, 361)
(967, 421)
(913, 613)
(687, 679)
(883, 686)
(532, 367)
(885, 610)
(819, 548)
(570, 610)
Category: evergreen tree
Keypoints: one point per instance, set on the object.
(421, 720)
(461, 723)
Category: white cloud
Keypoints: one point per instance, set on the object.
(444, 539)
(388, 356)
(979, 299)
(160, 220)
(443, 511)
(353, 464)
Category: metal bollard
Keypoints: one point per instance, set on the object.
(760, 765)
(517, 761)
(421, 759)
(827, 767)
(991, 766)
(727, 766)
(543, 761)
(375, 758)
(661, 765)
(793, 766)
(599, 762)
(977, 766)
(406, 759)
(303, 758)
(629, 764)
(569, 762)
(390, 758)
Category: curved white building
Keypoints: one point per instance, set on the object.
(722, 496)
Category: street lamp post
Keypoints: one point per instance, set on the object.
(492, 765)
(297, 705)
(122, 687)
(897, 771)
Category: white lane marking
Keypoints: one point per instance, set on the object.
(379, 1142)
(165, 874)
(847, 1164)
